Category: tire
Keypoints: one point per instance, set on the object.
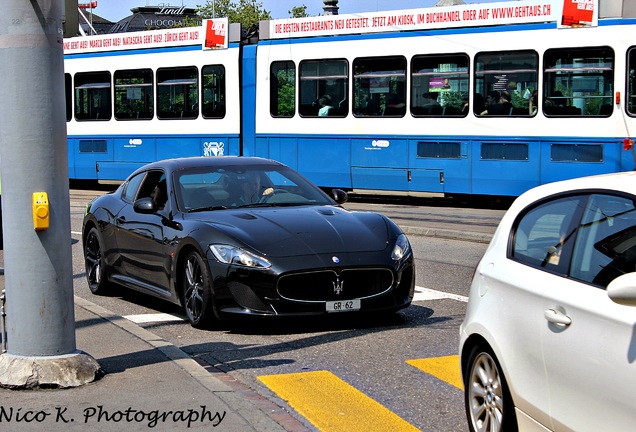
(197, 293)
(489, 406)
(94, 263)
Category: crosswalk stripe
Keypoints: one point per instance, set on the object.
(444, 368)
(332, 405)
(149, 318)
(422, 293)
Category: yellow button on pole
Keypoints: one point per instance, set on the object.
(40, 211)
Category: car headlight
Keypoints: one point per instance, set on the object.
(232, 255)
(401, 248)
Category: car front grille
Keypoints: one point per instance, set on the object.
(329, 285)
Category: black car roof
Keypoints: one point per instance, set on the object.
(203, 161)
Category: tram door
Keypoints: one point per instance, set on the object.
(384, 164)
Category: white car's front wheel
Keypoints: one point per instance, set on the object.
(489, 407)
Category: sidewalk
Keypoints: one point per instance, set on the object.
(147, 384)
(150, 384)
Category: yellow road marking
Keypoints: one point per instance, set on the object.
(332, 405)
(444, 368)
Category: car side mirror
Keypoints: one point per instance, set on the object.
(145, 206)
(339, 196)
(622, 290)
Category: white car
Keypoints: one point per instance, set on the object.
(549, 337)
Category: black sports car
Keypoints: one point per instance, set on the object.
(236, 236)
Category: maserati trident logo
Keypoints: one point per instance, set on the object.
(338, 286)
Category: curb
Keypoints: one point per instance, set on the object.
(242, 406)
(173, 353)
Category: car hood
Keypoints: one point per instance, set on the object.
(295, 231)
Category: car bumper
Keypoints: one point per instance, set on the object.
(307, 291)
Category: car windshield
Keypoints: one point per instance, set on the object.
(214, 188)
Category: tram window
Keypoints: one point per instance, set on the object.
(323, 88)
(68, 93)
(504, 151)
(439, 85)
(439, 150)
(133, 94)
(177, 93)
(282, 89)
(631, 81)
(92, 96)
(504, 82)
(379, 87)
(576, 153)
(578, 81)
(213, 91)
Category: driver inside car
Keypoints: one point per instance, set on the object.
(250, 189)
(160, 194)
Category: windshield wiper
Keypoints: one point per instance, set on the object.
(209, 208)
(252, 205)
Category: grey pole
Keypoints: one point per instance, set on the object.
(41, 346)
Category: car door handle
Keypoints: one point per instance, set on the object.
(121, 220)
(557, 317)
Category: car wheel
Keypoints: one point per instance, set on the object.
(197, 294)
(489, 406)
(94, 263)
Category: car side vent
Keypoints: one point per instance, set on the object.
(326, 211)
(245, 297)
(245, 216)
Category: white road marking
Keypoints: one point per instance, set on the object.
(149, 318)
(422, 294)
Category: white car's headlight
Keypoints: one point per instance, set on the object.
(401, 248)
(232, 255)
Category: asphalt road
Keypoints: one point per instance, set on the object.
(377, 358)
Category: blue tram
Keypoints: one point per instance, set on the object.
(488, 99)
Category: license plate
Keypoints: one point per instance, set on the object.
(343, 306)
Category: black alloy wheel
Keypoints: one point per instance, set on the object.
(94, 263)
(197, 295)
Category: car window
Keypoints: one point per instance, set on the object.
(201, 189)
(279, 180)
(606, 244)
(544, 235)
(240, 186)
(154, 186)
(131, 188)
(149, 184)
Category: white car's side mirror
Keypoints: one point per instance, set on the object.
(622, 290)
